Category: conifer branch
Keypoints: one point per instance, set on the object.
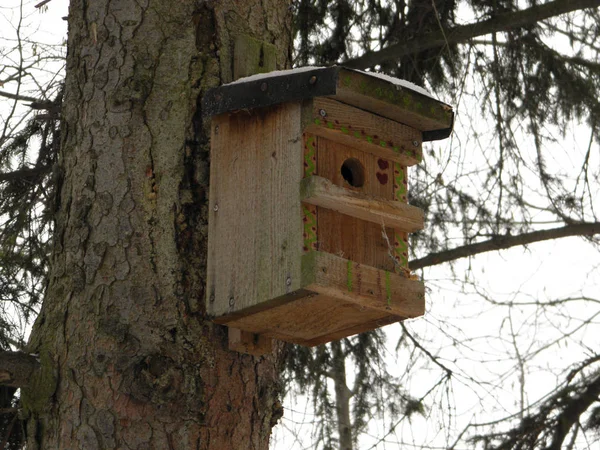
(462, 33)
(23, 174)
(504, 242)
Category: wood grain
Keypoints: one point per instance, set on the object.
(365, 131)
(255, 223)
(387, 213)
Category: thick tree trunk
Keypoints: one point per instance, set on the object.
(128, 359)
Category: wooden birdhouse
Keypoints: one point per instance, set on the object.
(308, 217)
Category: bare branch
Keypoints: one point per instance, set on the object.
(24, 98)
(504, 242)
(462, 33)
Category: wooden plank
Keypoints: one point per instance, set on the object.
(341, 298)
(307, 318)
(251, 56)
(345, 332)
(366, 131)
(255, 222)
(309, 212)
(252, 344)
(395, 102)
(321, 192)
(362, 285)
(353, 238)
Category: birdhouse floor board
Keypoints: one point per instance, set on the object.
(339, 298)
(368, 132)
(387, 213)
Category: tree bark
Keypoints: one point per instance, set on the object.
(128, 357)
(462, 33)
(342, 396)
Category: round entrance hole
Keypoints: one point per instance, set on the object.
(353, 172)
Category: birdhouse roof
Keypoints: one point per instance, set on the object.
(379, 94)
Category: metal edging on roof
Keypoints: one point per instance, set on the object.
(266, 90)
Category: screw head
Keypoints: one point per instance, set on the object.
(323, 113)
(415, 143)
(263, 87)
(215, 208)
(312, 80)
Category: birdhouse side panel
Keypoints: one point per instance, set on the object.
(255, 222)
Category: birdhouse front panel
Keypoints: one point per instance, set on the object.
(308, 218)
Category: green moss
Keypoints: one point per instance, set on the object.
(36, 397)
(403, 98)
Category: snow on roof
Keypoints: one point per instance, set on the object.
(382, 76)
(399, 82)
(275, 73)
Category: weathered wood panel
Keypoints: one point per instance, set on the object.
(346, 236)
(389, 213)
(339, 298)
(255, 222)
(367, 132)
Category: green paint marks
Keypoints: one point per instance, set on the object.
(399, 185)
(347, 81)
(346, 129)
(310, 227)
(401, 250)
(388, 289)
(349, 277)
(310, 166)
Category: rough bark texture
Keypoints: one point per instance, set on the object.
(128, 359)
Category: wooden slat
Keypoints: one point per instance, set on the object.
(362, 327)
(255, 219)
(307, 318)
(365, 131)
(347, 236)
(392, 101)
(250, 343)
(251, 56)
(362, 285)
(321, 192)
(340, 298)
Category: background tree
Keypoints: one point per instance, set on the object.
(520, 73)
(504, 63)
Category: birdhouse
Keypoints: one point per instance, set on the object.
(308, 212)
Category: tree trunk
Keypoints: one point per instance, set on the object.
(342, 396)
(128, 357)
